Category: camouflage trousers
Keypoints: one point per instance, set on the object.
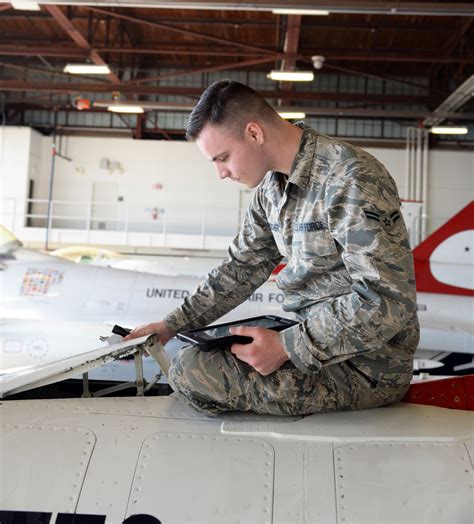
(216, 381)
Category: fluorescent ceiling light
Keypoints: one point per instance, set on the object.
(449, 130)
(295, 11)
(288, 115)
(291, 76)
(123, 108)
(87, 69)
(25, 6)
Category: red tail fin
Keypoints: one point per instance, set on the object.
(456, 257)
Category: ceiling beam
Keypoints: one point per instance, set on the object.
(393, 7)
(396, 57)
(59, 49)
(77, 37)
(82, 87)
(292, 38)
(313, 22)
(399, 114)
(222, 67)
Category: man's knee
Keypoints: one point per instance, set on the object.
(209, 376)
(178, 375)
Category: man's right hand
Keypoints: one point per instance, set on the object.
(160, 328)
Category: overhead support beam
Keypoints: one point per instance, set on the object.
(81, 87)
(398, 57)
(315, 111)
(40, 50)
(186, 72)
(310, 22)
(401, 114)
(292, 38)
(77, 37)
(393, 7)
(60, 50)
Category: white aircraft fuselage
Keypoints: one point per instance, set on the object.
(51, 308)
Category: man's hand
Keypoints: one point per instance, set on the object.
(265, 354)
(160, 328)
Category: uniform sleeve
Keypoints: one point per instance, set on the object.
(252, 256)
(365, 221)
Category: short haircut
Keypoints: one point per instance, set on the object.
(229, 103)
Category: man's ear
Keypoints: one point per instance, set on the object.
(255, 133)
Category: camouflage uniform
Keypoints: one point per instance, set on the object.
(349, 279)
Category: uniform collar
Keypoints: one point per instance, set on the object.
(301, 168)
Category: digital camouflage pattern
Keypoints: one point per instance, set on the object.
(349, 278)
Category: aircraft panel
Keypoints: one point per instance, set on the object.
(61, 451)
(320, 495)
(304, 487)
(210, 478)
(42, 374)
(55, 410)
(371, 470)
(397, 422)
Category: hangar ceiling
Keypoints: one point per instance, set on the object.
(384, 61)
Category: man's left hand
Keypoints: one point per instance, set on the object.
(265, 354)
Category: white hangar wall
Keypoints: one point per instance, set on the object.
(147, 182)
(117, 184)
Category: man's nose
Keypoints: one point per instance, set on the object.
(222, 172)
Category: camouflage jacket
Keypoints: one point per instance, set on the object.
(349, 274)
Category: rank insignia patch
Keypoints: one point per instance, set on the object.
(387, 220)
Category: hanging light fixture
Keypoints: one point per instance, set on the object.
(448, 130)
(25, 6)
(291, 76)
(87, 69)
(296, 11)
(126, 108)
(292, 115)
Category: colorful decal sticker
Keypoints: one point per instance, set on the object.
(37, 348)
(37, 282)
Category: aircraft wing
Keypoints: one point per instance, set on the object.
(18, 379)
(153, 459)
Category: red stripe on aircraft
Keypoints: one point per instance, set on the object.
(425, 281)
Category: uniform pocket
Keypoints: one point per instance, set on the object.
(314, 244)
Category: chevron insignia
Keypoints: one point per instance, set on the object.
(387, 220)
